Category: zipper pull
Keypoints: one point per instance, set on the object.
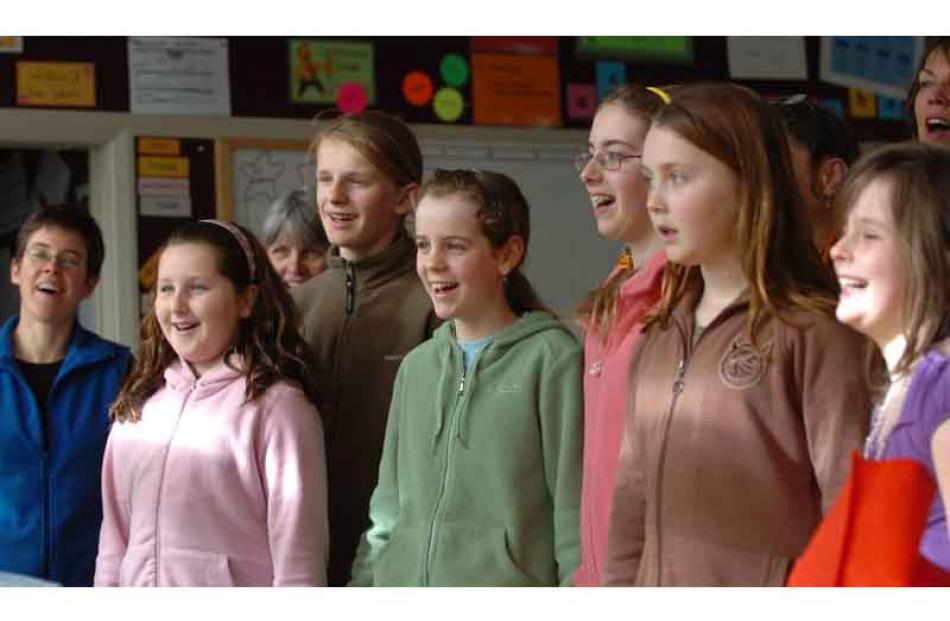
(462, 386)
(350, 291)
(678, 382)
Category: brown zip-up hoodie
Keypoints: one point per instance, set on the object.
(732, 453)
(359, 320)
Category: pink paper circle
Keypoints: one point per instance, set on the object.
(351, 97)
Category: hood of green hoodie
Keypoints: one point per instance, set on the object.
(527, 325)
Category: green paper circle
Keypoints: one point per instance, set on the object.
(454, 69)
(448, 104)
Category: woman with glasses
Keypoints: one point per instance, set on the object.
(56, 383)
(611, 314)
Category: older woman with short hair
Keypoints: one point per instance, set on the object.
(294, 237)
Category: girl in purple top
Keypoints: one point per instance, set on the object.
(893, 265)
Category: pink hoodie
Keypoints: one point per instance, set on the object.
(605, 405)
(205, 490)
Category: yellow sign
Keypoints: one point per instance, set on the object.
(55, 84)
(163, 166)
(159, 146)
(863, 104)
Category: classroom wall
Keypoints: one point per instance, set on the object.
(558, 202)
(566, 258)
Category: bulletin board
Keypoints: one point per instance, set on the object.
(251, 173)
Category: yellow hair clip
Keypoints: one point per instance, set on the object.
(659, 92)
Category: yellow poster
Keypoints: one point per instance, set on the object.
(55, 84)
(163, 166)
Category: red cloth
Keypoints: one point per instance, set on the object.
(871, 536)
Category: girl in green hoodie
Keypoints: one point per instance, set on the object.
(479, 483)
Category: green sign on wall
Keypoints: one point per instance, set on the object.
(676, 50)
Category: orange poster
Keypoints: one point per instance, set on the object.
(515, 90)
(41, 83)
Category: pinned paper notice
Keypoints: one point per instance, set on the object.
(767, 58)
(862, 103)
(890, 108)
(448, 104)
(11, 45)
(164, 186)
(581, 101)
(165, 206)
(156, 166)
(55, 84)
(610, 74)
(159, 146)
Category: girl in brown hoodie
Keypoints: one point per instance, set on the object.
(746, 396)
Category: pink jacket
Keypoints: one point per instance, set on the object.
(205, 490)
(605, 405)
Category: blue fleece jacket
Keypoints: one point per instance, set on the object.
(51, 501)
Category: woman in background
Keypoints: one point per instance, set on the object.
(294, 237)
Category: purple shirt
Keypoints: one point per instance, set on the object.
(926, 406)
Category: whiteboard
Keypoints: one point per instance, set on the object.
(251, 174)
(566, 257)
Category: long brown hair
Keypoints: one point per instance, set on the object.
(598, 310)
(267, 340)
(778, 259)
(503, 214)
(918, 179)
(934, 45)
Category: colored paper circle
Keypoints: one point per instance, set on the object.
(351, 97)
(448, 104)
(454, 69)
(417, 88)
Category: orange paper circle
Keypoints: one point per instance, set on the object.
(417, 88)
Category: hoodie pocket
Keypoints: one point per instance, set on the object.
(180, 567)
(471, 556)
(400, 561)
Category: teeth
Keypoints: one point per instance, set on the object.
(597, 201)
(48, 288)
(184, 326)
(852, 283)
(938, 123)
(340, 217)
(442, 287)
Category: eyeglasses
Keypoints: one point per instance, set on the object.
(66, 260)
(607, 160)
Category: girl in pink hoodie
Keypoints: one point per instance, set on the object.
(214, 471)
(611, 314)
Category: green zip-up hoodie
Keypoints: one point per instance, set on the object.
(479, 483)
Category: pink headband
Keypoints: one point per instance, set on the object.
(242, 241)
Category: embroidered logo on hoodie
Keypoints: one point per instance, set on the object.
(743, 364)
